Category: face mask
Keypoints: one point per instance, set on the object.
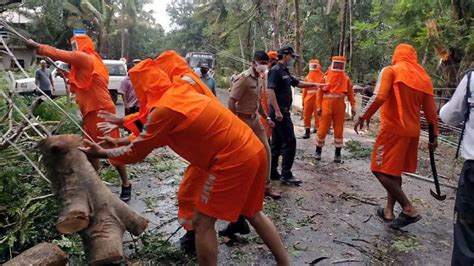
(261, 68)
(291, 62)
(313, 67)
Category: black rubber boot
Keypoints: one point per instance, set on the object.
(317, 153)
(126, 193)
(338, 156)
(187, 242)
(314, 130)
(307, 132)
(240, 227)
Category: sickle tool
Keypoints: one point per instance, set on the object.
(437, 195)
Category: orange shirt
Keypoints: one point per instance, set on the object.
(349, 92)
(412, 102)
(313, 76)
(198, 128)
(94, 97)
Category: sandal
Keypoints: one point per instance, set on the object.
(404, 220)
(381, 215)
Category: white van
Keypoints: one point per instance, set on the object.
(117, 72)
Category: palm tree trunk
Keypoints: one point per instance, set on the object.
(342, 39)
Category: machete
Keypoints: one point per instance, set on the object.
(436, 195)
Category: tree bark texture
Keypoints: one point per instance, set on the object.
(88, 206)
(45, 254)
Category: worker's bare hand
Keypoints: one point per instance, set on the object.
(106, 127)
(278, 116)
(359, 125)
(433, 145)
(109, 141)
(110, 117)
(32, 44)
(93, 150)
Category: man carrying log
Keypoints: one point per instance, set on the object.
(403, 90)
(178, 70)
(221, 144)
(88, 79)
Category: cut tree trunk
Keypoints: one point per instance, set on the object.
(88, 206)
(45, 254)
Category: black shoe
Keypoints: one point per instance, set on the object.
(317, 153)
(306, 133)
(275, 176)
(338, 156)
(239, 227)
(126, 193)
(291, 180)
(314, 130)
(187, 243)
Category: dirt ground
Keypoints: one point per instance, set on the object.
(330, 217)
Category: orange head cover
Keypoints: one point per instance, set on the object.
(149, 82)
(273, 55)
(172, 64)
(85, 44)
(315, 74)
(175, 67)
(336, 76)
(408, 71)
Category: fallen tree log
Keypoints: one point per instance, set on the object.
(88, 206)
(45, 254)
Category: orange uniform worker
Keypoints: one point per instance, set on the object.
(403, 90)
(309, 97)
(178, 70)
(273, 55)
(332, 107)
(221, 145)
(88, 79)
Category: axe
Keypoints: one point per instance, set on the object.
(436, 195)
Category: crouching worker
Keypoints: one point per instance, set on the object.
(222, 145)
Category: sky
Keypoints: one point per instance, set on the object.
(159, 12)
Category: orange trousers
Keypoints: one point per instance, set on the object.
(333, 111)
(188, 192)
(309, 110)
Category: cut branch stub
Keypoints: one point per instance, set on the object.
(88, 206)
(46, 254)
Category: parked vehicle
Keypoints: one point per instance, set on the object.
(194, 60)
(117, 72)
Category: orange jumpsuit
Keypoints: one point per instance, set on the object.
(403, 90)
(265, 106)
(331, 99)
(89, 80)
(221, 145)
(309, 94)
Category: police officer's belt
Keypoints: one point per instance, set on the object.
(247, 116)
